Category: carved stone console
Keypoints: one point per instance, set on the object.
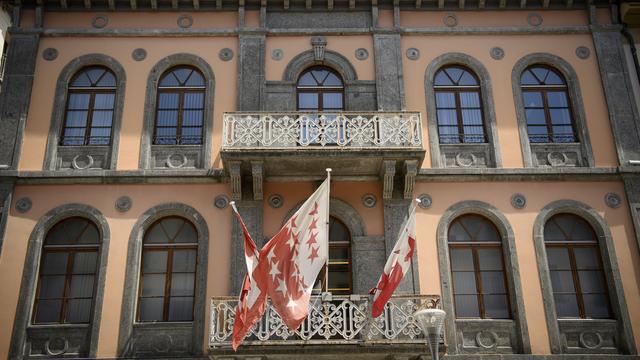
(175, 157)
(487, 336)
(466, 155)
(588, 336)
(82, 157)
(59, 341)
(160, 340)
(558, 155)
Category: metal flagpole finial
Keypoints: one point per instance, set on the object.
(328, 170)
(418, 200)
(233, 203)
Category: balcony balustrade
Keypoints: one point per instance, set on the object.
(332, 320)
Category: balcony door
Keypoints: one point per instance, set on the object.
(336, 278)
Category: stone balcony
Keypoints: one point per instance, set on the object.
(300, 145)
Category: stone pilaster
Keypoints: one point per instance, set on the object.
(251, 58)
(395, 212)
(389, 78)
(251, 212)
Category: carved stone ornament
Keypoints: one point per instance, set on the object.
(413, 54)
(487, 339)
(497, 53)
(556, 158)
(50, 54)
(139, 54)
(362, 54)
(465, 159)
(319, 44)
(56, 346)
(185, 21)
(583, 52)
(221, 201)
(369, 200)
(590, 340)
(277, 54)
(23, 205)
(82, 162)
(276, 201)
(225, 54)
(612, 200)
(123, 204)
(518, 201)
(99, 21)
(425, 201)
(450, 20)
(534, 19)
(176, 161)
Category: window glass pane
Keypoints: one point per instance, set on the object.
(169, 80)
(78, 311)
(51, 287)
(172, 226)
(184, 261)
(196, 79)
(528, 78)
(557, 99)
(90, 235)
(448, 134)
(191, 136)
(490, 259)
(538, 134)
(563, 134)
(81, 286)
(168, 100)
(558, 258)
(441, 79)
(455, 74)
(339, 277)
(81, 80)
(103, 101)
(307, 80)
(192, 118)
(332, 101)
(447, 117)
(472, 117)
(532, 99)
(553, 79)
(466, 306)
(76, 118)
(182, 75)
(492, 282)
(560, 116)
(66, 232)
(596, 306)
(470, 99)
(461, 259)
(496, 306)
(480, 229)
(153, 285)
(85, 262)
(166, 136)
(535, 116)
(151, 309)
(187, 233)
(337, 231)
(566, 305)
(307, 101)
(467, 79)
(562, 281)
(95, 75)
(458, 233)
(592, 282)
(194, 100)
(540, 73)
(100, 136)
(553, 230)
(587, 257)
(445, 100)
(54, 263)
(78, 101)
(580, 229)
(182, 284)
(181, 309)
(167, 118)
(48, 311)
(107, 80)
(154, 261)
(464, 283)
(102, 118)
(338, 253)
(332, 80)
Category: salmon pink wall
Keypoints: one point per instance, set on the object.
(131, 20)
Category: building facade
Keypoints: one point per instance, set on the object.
(127, 127)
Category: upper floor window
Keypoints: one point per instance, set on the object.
(180, 107)
(90, 106)
(337, 277)
(67, 276)
(168, 271)
(546, 104)
(477, 269)
(458, 106)
(575, 265)
(320, 89)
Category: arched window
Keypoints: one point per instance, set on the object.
(167, 279)
(477, 269)
(547, 107)
(320, 88)
(180, 107)
(575, 266)
(90, 106)
(458, 106)
(68, 272)
(337, 277)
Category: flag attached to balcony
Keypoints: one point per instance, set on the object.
(251, 304)
(293, 258)
(398, 264)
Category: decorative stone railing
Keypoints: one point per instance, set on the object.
(304, 129)
(331, 320)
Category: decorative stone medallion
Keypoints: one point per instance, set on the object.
(534, 19)
(450, 20)
(362, 54)
(425, 201)
(369, 200)
(139, 54)
(123, 204)
(99, 21)
(50, 54)
(225, 54)
(56, 346)
(413, 54)
(82, 162)
(465, 159)
(612, 200)
(487, 339)
(23, 205)
(518, 201)
(583, 52)
(497, 53)
(176, 161)
(556, 158)
(185, 21)
(277, 54)
(221, 201)
(275, 201)
(590, 340)
(318, 44)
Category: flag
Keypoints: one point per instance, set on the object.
(397, 264)
(293, 258)
(251, 304)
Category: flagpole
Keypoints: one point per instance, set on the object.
(326, 264)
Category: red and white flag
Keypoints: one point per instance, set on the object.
(397, 265)
(251, 304)
(293, 258)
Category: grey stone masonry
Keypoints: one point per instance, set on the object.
(251, 212)
(251, 55)
(395, 212)
(16, 94)
(389, 79)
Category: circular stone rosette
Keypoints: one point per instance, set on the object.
(583, 52)
(518, 201)
(277, 54)
(497, 53)
(139, 54)
(221, 201)
(276, 201)
(23, 205)
(413, 54)
(50, 54)
(425, 201)
(99, 21)
(362, 54)
(369, 200)
(123, 204)
(185, 21)
(612, 200)
(225, 54)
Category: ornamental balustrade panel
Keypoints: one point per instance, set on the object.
(300, 129)
(331, 320)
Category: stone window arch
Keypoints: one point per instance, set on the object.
(140, 338)
(535, 154)
(485, 153)
(579, 336)
(92, 152)
(483, 335)
(176, 155)
(70, 339)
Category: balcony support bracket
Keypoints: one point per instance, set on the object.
(257, 175)
(411, 170)
(236, 180)
(388, 173)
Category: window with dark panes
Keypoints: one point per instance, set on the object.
(477, 268)
(180, 107)
(168, 271)
(90, 105)
(320, 89)
(68, 272)
(546, 105)
(575, 265)
(458, 106)
(337, 277)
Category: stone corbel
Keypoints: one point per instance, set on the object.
(236, 180)
(410, 172)
(257, 174)
(388, 172)
(319, 44)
